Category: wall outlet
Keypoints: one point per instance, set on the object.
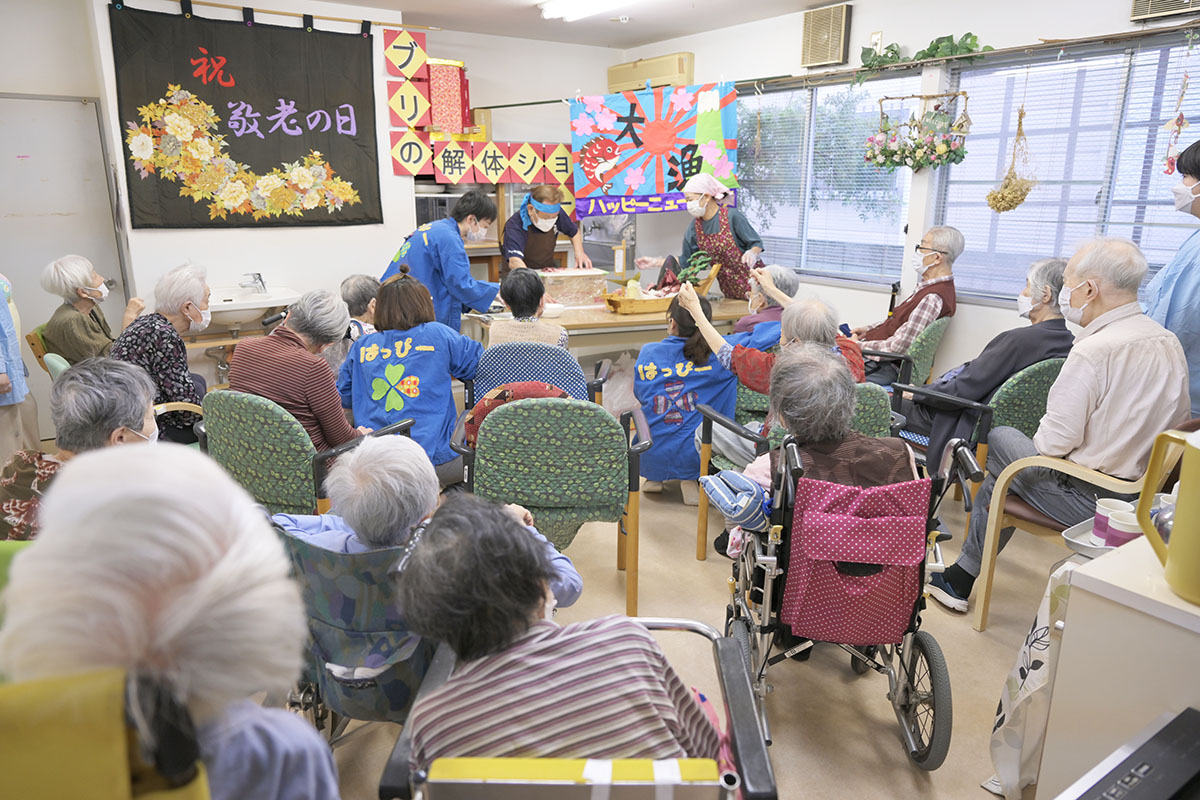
(877, 42)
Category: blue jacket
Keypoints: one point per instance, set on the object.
(764, 336)
(392, 375)
(670, 388)
(436, 256)
(331, 532)
(1174, 303)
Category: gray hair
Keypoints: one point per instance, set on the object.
(1112, 261)
(320, 316)
(813, 393)
(809, 320)
(358, 291)
(96, 397)
(186, 283)
(64, 276)
(383, 488)
(1047, 273)
(786, 280)
(948, 240)
(153, 560)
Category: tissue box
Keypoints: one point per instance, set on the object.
(576, 287)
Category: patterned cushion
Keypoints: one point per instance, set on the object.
(263, 447)
(565, 460)
(873, 411)
(1020, 401)
(515, 362)
(355, 621)
(501, 395)
(915, 438)
(924, 348)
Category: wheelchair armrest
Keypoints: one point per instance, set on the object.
(201, 435)
(601, 370)
(468, 394)
(898, 422)
(942, 399)
(396, 783)
(906, 362)
(741, 723)
(711, 415)
(641, 430)
(458, 440)
(321, 460)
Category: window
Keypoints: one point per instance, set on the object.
(805, 188)
(1094, 123)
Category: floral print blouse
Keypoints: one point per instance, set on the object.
(154, 345)
(22, 483)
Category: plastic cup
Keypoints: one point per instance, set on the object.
(1123, 526)
(1105, 507)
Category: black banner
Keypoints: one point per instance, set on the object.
(230, 124)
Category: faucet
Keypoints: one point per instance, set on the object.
(255, 282)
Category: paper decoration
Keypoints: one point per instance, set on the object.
(650, 142)
(568, 193)
(449, 95)
(604, 205)
(452, 162)
(491, 161)
(411, 153)
(404, 53)
(408, 103)
(525, 162)
(558, 164)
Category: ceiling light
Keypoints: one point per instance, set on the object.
(571, 10)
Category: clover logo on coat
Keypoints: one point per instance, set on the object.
(393, 385)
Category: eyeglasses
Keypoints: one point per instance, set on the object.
(919, 247)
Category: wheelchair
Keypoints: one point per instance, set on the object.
(842, 574)
(526, 778)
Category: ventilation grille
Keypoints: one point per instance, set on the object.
(826, 36)
(1149, 9)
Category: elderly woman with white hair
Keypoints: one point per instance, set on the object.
(155, 343)
(155, 562)
(765, 308)
(286, 367)
(78, 329)
(382, 494)
(99, 402)
(359, 292)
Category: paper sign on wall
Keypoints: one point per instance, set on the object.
(452, 162)
(491, 161)
(411, 153)
(404, 53)
(408, 103)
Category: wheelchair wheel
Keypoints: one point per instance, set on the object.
(859, 666)
(927, 704)
(739, 629)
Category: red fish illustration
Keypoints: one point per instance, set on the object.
(598, 157)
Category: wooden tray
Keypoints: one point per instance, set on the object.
(649, 305)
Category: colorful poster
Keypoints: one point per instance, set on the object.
(650, 142)
(234, 125)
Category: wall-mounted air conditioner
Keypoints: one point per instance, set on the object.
(675, 69)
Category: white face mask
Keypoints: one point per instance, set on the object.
(1184, 196)
(151, 439)
(102, 289)
(205, 319)
(696, 208)
(918, 264)
(545, 225)
(1069, 312)
(1025, 305)
(476, 234)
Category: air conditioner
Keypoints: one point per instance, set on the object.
(826, 38)
(673, 70)
(1149, 9)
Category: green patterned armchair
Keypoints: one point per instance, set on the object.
(917, 363)
(268, 452)
(569, 462)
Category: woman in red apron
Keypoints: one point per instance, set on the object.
(723, 233)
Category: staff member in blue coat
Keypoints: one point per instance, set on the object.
(672, 378)
(531, 234)
(436, 256)
(1173, 295)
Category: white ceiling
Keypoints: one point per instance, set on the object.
(649, 20)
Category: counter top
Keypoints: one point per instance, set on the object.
(1132, 575)
(581, 317)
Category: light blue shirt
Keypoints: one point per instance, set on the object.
(10, 354)
(1174, 303)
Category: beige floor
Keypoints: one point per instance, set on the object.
(835, 734)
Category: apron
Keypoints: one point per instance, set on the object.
(539, 248)
(734, 277)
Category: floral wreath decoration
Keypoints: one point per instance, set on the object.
(176, 140)
(934, 139)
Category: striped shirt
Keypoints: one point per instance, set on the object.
(595, 689)
(279, 368)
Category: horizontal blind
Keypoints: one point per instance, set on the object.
(772, 141)
(1094, 124)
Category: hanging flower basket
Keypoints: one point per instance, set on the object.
(933, 139)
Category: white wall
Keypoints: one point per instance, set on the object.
(771, 47)
(47, 47)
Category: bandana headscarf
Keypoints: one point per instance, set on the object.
(707, 184)
(545, 208)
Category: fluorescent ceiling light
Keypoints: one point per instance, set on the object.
(571, 10)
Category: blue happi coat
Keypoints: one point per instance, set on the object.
(437, 257)
(670, 388)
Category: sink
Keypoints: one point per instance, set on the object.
(238, 307)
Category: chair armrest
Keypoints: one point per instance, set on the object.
(396, 783)
(985, 411)
(458, 440)
(468, 394)
(741, 723)
(177, 405)
(641, 430)
(711, 416)
(601, 371)
(906, 362)
(201, 435)
(1066, 467)
(321, 460)
(898, 422)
